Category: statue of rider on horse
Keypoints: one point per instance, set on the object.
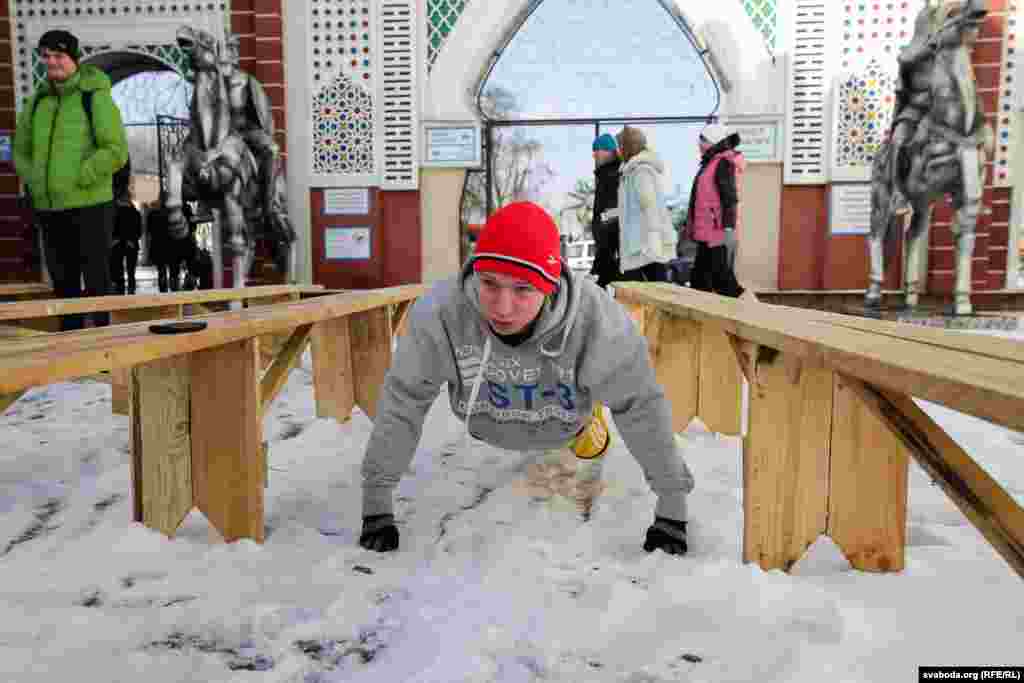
(937, 147)
(229, 159)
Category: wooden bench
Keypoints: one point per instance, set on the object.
(19, 291)
(198, 399)
(45, 315)
(832, 425)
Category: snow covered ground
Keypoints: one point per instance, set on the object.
(487, 586)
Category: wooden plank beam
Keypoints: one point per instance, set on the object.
(674, 347)
(9, 332)
(272, 344)
(984, 502)
(399, 317)
(721, 383)
(868, 485)
(46, 308)
(120, 378)
(333, 383)
(8, 400)
(986, 387)
(161, 443)
(786, 463)
(91, 351)
(638, 312)
(371, 356)
(18, 290)
(746, 357)
(277, 374)
(227, 454)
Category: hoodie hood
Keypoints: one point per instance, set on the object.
(558, 314)
(647, 157)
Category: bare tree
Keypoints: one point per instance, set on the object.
(582, 203)
(517, 166)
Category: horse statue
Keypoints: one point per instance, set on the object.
(221, 161)
(937, 147)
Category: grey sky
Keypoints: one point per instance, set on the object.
(593, 58)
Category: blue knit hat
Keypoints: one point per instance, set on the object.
(605, 142)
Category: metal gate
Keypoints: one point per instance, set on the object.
(171, 132)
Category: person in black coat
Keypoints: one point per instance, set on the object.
(605, 226)
(125, 251)
(161, 249)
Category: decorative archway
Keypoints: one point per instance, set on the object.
(735, 39)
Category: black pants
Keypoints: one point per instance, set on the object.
(77, 244)
(711, 271)
(652, 272)
(124, 257)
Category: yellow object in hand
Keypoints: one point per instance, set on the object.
(593, 441)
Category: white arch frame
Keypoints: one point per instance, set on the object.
(485, 28)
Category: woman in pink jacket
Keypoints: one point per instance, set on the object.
(711, 220)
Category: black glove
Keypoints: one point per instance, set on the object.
(667, 534)
(379, 533)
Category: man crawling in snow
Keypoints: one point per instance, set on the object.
(531, 355)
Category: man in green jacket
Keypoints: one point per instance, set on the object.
(68, 157)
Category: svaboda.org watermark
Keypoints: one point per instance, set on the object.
(970, 673)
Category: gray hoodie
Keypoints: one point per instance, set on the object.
(585, 349)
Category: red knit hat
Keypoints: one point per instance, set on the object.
(520, 240)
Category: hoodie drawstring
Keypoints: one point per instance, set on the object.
(476, 389)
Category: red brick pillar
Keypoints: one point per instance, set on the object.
(19, 252)
(260, 26)
(990, 249)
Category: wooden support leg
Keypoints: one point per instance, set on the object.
(785, 463)
(161, 444)
(120, 378)
(371, 356)
(7, 400)
(333, 384)
(983, 501)
(868, 490)
(674, 346)
(638, 313)
(399, 318)
(721, 383)
(282, 365)
(227, 454)
(271, 345)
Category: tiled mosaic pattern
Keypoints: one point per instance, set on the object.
(341, 40)
(442, 15)
(874, 27)
(343, 128)
(341, 45)
(863, 114)
(764, 14)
